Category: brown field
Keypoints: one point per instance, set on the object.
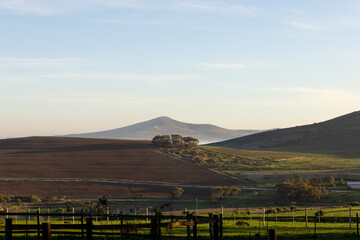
(77, 158)
(95, 190)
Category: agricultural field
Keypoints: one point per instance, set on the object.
(77, 167)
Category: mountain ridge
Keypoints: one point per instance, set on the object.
(166, 126)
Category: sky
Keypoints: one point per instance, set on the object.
(74, 66)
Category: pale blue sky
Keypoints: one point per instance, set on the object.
(71, 66)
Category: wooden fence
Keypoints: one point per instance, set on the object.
(87, 229)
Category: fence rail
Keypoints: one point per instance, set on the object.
(87, 229)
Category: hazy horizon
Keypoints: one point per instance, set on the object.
(90, 65)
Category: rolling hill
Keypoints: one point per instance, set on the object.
(166, 126)
(85, 167)
(339, 136)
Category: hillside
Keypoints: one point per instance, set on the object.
(166, 126)
(79, 167)
(339, 136)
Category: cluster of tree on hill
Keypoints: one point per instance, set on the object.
(218, 193)
(174, 141)
(301, 189)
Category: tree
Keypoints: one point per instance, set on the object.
(35, 199)
(342, 182)
(177, 141)
(177, 192)
(4, 198)
(191, 142)
(163, 141)
(216, 193)
(300, 189)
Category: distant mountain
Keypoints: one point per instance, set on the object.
(166, 126)
(338, 136)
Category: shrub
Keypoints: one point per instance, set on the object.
(300, 189)
(242, 223)
(353, 204)
(35, 199)
(320, 213)
(293, 207)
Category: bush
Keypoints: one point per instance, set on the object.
(320, 213)
(293, 207)
(353, 204)
(271, 210)
(242, 223)
(35, 199)
(300, 189)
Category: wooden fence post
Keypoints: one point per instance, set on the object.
(107, 215)
(315, 225)
(188, 226)
(263, 217)
(216, 228)
(155, 228)
(89, 235)
(73, 212)
(82, 224)
(221, 227)
(211, 224)
(357, 224)
(8, 229)
(349, 217)
(46, 231)
(195, 228)
(38, 223)
(306, 218)
(121, 223)
(272, 234)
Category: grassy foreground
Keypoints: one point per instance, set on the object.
(246, 223)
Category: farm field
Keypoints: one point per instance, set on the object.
(270, 167)
(50, 159)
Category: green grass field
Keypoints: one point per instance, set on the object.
(288, 224)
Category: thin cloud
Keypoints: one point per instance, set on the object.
(300, 25)
(156, 79)
(119, 21)
(57, 7)
(322, 96)
(222, 65)
(36, 62)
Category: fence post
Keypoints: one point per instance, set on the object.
(155, 228)
(73, 212)
(82, 224)
(26, 222)
(46, 231)
(89, 229)
(107, 215)
(8, 229)
(195, 228)
(121, 223)
(216, 228)
(306, 218)
(263, 217)
(38, 223)
(272, 234)
(315, 225)
(188, 226)
(221, 227)
(357, 224)
(211, 229)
